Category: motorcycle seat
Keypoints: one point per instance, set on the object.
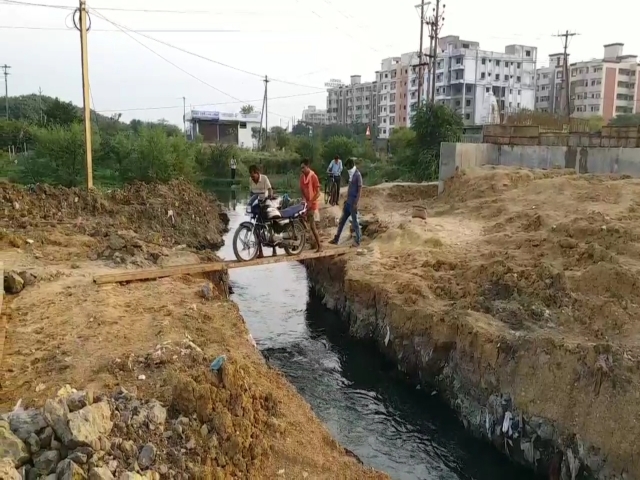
(291, 211)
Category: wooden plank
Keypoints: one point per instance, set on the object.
(3, 319)
(153, 273)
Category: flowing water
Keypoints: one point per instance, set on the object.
(408, 433)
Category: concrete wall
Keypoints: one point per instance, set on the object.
(454, 156)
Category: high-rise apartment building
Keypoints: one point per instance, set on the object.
(314, 115)
(353, 103)
(605, 86)
(468, 79)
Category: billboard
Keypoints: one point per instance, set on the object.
(215, 116)
(334, 83)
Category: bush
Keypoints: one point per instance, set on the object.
(341, 146)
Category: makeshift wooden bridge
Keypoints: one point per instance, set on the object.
(153, 273)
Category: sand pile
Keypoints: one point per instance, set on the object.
(177, 213)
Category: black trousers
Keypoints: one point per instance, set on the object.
(233, 174)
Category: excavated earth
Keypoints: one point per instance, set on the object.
(148, 403)
(518, 299)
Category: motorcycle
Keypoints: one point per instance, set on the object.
(271, 224)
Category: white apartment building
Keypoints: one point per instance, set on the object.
(466, 75)
(353, 103)
(314, 115)
(605, 86)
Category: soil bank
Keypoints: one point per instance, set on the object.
(517, 299)
(154, 339)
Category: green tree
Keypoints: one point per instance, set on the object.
(401, 141)
(628, 120)
(247, 109)
(432, 124)
(280, 137)
(61, 113)
(301, 129)
(309, 148)
(596, 122)
(341, 146)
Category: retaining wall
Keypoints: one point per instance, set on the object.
(453, 156)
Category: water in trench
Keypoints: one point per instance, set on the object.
(392, 427)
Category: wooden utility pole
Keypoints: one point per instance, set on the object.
(565, 69)
(5, 70)
(86, 93)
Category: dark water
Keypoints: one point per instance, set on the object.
(405, 432)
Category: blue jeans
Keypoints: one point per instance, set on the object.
(347, 212)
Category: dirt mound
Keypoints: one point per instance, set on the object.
(402, 192)
(172, 214)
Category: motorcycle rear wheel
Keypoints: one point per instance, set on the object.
(246, 240)
(296, 230)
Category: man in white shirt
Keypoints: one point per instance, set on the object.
(259, 184)
(234, 166)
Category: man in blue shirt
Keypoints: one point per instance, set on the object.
(335, 170)
(350, 208)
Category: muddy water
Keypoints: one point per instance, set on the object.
(405, 432)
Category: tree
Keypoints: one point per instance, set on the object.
(432, 124)
(628, 120)
(301, 129)
(280, 137)
(62, 113)
(342, 146)
(596, 122)
(247, 109)
(401, 140)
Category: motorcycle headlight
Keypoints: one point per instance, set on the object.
(248, 209)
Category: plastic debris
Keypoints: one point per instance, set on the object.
(388, 337)
(506, 424)
(218, 362)
(142, 377)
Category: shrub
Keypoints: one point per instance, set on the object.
(340, 145)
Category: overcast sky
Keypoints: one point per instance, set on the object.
(300, 41)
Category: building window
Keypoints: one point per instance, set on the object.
(482, 76)
(465, 45)
(458, 60)
(519, 92)
(467, 116)
(457, 103)
(467, 103)
(497, 63)
(518, 79)
(386, 75)
(518, 65)
(506, 64)
(243, 125)
(527, 53)
(497, 76)
(488, 89)
(484, 61)
(384, 131)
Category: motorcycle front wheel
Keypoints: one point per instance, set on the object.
(246, 241)
(295, 230)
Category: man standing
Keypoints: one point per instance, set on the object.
(310, 188)
(350, 208)
(234, 165)
(335, 170)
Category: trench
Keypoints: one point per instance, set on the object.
(356, 393)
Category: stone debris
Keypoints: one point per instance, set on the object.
(13, 283)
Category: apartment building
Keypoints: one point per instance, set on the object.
(468, 79)
(314, 115)
(605, 86)
(398, 83)
(353, 103)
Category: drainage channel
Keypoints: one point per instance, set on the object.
(408, 433)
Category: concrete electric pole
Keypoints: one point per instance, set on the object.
(184, 116)
(420, 51)
(86, 93)
(5, 70)
(435, 26)
(565, 69)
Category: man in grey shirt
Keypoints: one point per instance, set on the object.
(350, 208)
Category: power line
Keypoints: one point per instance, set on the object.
(15, 27)
(166, 59)
(254, 74)
(208, 104)
(21, 3)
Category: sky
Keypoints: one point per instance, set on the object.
(300, 44)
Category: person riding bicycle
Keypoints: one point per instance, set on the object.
(335, 170)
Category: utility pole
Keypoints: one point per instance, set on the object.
(263, 141)
(420, 74)
(86, 94)
(266, 109)
(435, 26)
(184, 116)
(5, 70)
(565, 74)
(40, 105)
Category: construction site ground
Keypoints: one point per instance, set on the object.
(546, 262)
(156, 339)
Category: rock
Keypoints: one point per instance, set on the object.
(78, 400)
(131, 476)
(67, 470)
(116, 242)
(78, 457)
(112, 466)
(13, 283)
(147, 456)
(53, 476)
(206, 291)
(46, 437)
(105, 444)
(157, 413)
(11, 447)
(45, 462)
(163, 469)
(88, 424)
(55, 444)
(204, 430)
(56, 414)
(24, 423)
(191, 444)
(129, 450)
(151, 475)
(28, 278)
(7, 470)
(568, 243)
(34, 443)
(100, 473)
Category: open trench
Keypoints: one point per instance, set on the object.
(359, 395)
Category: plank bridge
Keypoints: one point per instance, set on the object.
(153, 273)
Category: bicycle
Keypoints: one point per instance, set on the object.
(331, 191)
